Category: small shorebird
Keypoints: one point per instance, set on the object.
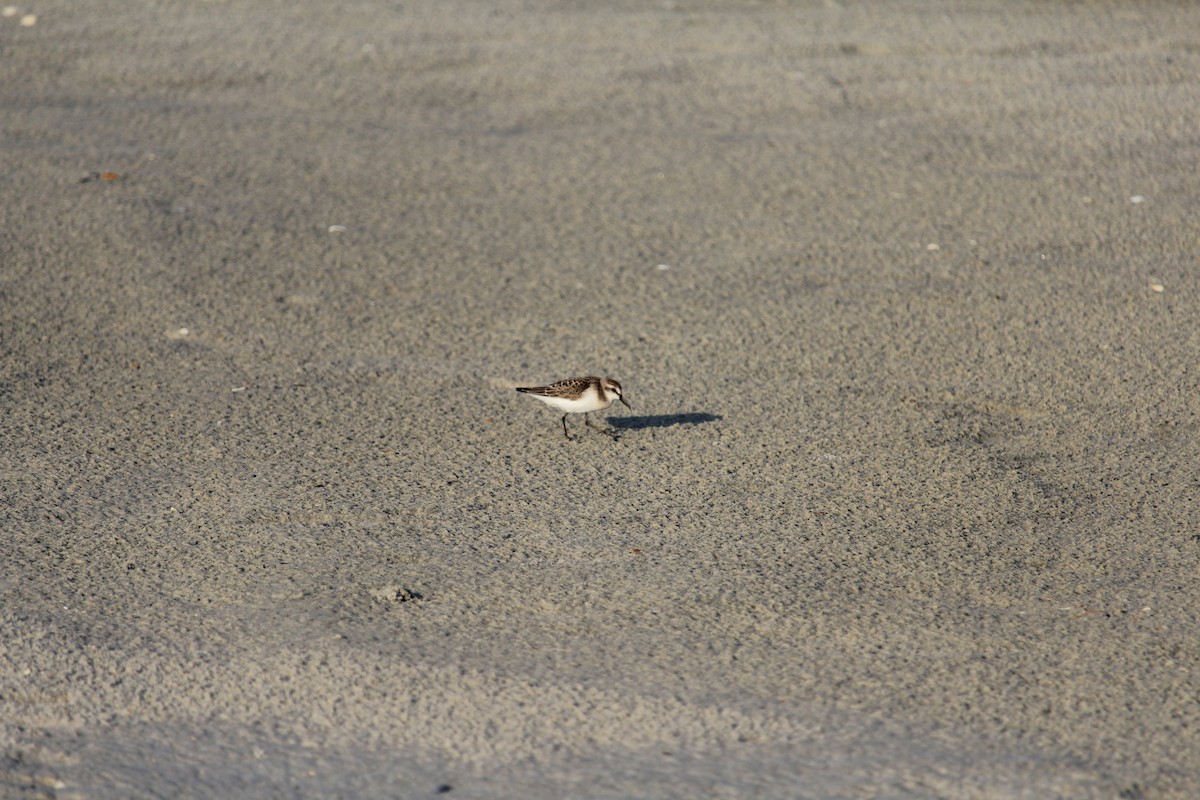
(578, 396)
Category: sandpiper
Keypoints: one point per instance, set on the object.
(578, 396)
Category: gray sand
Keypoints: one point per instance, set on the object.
(903, 296)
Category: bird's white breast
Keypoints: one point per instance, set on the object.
(590, 401)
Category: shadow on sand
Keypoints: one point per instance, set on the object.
(660, 421)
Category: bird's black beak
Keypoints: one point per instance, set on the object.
(626, 402)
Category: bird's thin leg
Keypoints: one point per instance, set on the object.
(565, 428)
(588, 421)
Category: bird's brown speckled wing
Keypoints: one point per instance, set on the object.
(570, 388)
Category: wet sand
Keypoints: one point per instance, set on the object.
(903, 296)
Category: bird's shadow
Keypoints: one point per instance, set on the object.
(661, 421)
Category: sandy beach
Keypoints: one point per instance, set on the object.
(904, 299)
